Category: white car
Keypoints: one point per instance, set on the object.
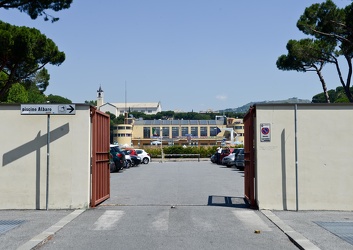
(145, 157)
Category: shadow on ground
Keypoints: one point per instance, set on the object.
(227, 201)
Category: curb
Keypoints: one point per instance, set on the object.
(48, 234)
(299, 240)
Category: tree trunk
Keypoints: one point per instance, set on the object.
(324, 87)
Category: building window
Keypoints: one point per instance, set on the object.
(123, 127)
(203, 131)
(149, 111)
(156, 131)
(175, 132)
(194, 131)
(165, 131)
(184, 131)
(146, 132)
(239, 127)
(213, 131)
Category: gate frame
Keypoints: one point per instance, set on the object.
(249, 157)
(100, 169)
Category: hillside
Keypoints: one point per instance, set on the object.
(245, 108)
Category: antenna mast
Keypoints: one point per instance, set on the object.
(125, 97)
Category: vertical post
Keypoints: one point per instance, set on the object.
(48, 151)
(296, 157)
(161, 134)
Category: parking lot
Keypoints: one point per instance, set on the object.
(173, 205)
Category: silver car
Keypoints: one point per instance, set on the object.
(229, 160)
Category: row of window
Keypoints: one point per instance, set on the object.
(133, 110)
(122, 135)
(175, 132)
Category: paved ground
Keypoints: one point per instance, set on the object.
(172, 205)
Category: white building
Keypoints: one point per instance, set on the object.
(149, 108)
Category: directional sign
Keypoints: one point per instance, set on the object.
(48, 109)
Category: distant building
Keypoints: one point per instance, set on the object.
(138, 132)
(117, 109)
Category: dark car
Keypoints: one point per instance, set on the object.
(135, 160)
(239, 160)
(118, 157)
(213, 158)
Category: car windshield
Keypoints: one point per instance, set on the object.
(237, 151)
(115, 149)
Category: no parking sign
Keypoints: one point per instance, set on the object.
(265, 132)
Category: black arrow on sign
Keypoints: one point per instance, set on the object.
(71, 109)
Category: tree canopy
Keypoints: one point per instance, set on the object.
(37, 8)
(307, 55)
(330, 24)
(24, 52)
(331, 29)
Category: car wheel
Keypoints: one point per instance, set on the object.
(128, 164)
(145, 160)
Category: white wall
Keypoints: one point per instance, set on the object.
(325, 159)
(23, 167)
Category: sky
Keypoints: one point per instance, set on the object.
(190, 55)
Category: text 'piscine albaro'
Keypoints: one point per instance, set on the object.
(33, 109)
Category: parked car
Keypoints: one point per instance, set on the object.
(117, 157)
(113, 168)
(133, 160)
(225, 152)
(156, 142)
(145, 157)
(239, 160)
(213, 158)
(128, 161)
(229, 160)
(132, 151)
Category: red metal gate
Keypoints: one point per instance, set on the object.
(249, 157)
(100, 171)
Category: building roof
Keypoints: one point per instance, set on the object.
(178, 122)
(136, 105)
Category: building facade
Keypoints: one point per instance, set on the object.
(140, 132)
(221, 131)
(118, 109)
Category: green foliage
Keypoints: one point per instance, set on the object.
(92, 102)
(308, 55)
(37, 8)
(25, 52)
(204, 152)
(58, 99)
(17, 94)
(332, 25)
(164, 115)
(35, 95)
(336, 96)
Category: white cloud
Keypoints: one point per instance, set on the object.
(221, 97)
